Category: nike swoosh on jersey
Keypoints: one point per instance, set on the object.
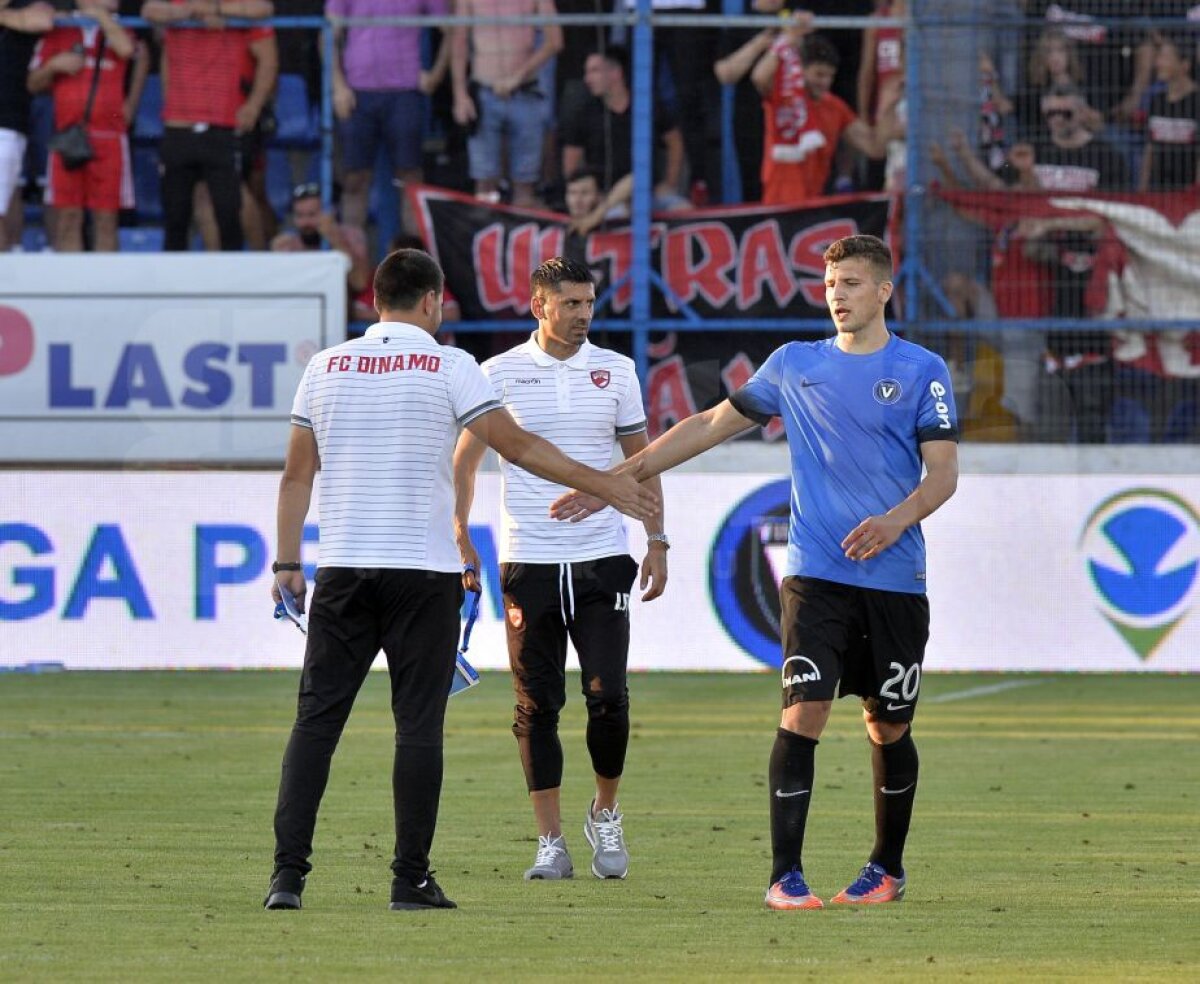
(896, 792)
(780, 794)
(805, 383)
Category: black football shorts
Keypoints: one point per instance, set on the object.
(870, 642)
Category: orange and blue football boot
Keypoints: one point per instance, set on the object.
(792, 892)
(873, 886)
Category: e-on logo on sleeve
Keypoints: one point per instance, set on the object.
(748, 560)
(1142, 552)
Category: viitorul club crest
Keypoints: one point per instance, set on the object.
(1142, 551)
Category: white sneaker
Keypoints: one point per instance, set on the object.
(610, 859)
(552, 861)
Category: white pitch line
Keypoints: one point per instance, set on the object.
(991, 688)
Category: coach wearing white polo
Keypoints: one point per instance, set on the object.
(379, 416)
(564, 579)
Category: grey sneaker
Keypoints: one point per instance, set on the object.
(610, 858)
(552, 862)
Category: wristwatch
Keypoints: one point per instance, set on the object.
(291, 566)
(659, 538)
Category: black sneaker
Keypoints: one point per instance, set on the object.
(284, 893)
(425, 894)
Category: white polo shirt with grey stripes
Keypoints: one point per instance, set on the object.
(386, 410)
(581, 405)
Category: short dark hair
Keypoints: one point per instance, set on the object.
(404, 277)
(818, 49)
(616, 54)
(555, 272)
(583, 173)
(870, 248)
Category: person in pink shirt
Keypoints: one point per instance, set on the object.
(380, 91)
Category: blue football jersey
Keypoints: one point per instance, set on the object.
(855, 425)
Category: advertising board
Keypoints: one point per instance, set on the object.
(1026, 572)
(196, 357)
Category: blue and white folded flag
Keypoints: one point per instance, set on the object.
(465, 675)
(289, 609)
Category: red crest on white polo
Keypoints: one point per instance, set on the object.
(601, 377)
(516, 617)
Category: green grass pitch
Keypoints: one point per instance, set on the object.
(1055, 837)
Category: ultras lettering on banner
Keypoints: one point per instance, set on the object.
(744, 262)
(138, 380)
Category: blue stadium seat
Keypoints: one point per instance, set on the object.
(281, 179)
(279, 182)
(1129, 422)
(147, 185)
(147, 240)
(34, 239)
(148, 124)
(295, 116)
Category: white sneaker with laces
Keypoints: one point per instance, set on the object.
(610, 858)
(552, 862)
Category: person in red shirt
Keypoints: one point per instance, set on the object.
(205, 110)
(805, 121)
(64, 63)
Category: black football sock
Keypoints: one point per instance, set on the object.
(894, 767)
(791, 778)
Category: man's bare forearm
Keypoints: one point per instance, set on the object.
(295, 495)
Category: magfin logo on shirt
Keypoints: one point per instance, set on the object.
(601, 377)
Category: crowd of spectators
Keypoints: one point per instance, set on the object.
(1089, 99)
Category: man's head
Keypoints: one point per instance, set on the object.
(306, 214)
(821, 60)
(1174, 56)
(1061, 107)
(858, 282)
(408, 287)
(606, 72)
(583, 192)
(562, 298)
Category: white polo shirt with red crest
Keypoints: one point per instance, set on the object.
(581, 405)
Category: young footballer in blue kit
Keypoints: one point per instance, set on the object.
(865, 413)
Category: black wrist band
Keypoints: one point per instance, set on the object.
(277, 567)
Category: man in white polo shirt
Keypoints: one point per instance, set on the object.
(379, 416)
(562, 579)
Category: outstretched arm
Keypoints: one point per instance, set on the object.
(681, 443)
(876, 533)
(686, 440)
(500, 431)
